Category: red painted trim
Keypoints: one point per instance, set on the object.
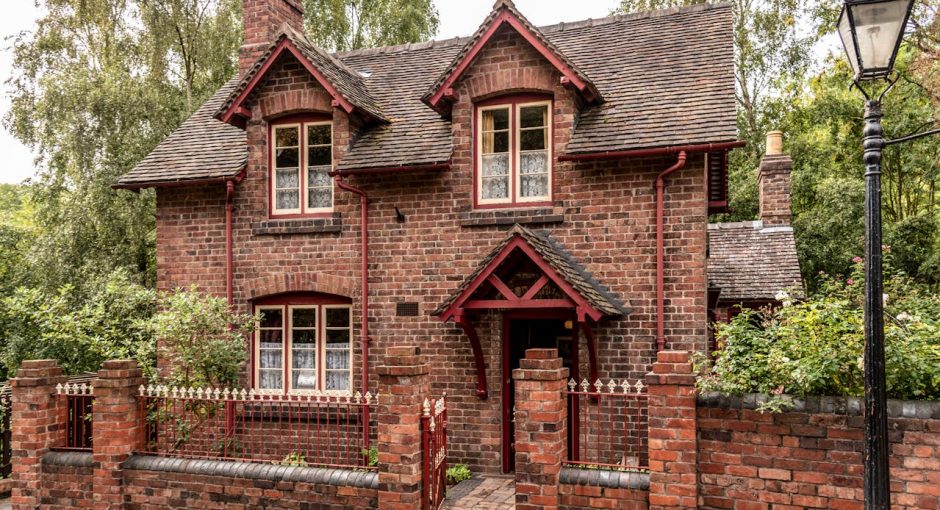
(501, 287)
(573, 300)
(284, 45)
(229, 244)
(389, 169)
(507, 17)
(301, 119)
(478, 360)
(536, 287)
(660, 252)
(659, 151)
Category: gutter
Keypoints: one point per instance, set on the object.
(660, 251)
(137, 186)
(674, 149)
(364, 328)
(390, 169)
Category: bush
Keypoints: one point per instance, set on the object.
(458, 473)
(815, 346)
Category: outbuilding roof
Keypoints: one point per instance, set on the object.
(750, 262)
(664, 78)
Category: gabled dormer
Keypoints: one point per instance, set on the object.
(443, 93)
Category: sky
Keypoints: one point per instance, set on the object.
(458, 18)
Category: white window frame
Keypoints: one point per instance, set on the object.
(351, 353)
(300, 172)
(479, 166)
(306, 168)
(514, 197)
(303, 169)
(287, 345)
(517, 153)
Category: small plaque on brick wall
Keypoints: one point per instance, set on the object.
(408, 309)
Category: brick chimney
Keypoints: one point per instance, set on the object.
(773, 179)
(262, 19)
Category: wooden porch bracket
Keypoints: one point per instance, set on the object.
(478, 360)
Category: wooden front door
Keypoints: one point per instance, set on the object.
(521, 333)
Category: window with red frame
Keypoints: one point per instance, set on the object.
(303, 343)
(301, 160)
(513, 153)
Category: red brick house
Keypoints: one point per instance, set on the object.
(523, 187)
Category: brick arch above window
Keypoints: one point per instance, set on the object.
(515, 80)
(308, 100)
(301, 282)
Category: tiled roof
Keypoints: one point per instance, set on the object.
(749, 262)
(666, 79)
(201, 148)
(556, 257)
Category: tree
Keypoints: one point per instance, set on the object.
(342, 25)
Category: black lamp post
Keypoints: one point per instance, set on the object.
(871, 32)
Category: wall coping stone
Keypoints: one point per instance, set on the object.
(255, 471)
(604, 478)
(72, 459)
(851, 406)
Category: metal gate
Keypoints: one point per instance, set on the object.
(434, 464)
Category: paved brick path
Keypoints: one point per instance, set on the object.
(483, 493)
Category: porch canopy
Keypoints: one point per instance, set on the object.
(528, 270)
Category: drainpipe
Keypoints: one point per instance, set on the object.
(364, 331)
(229, 259)
(660, 249)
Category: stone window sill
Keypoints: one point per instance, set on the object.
(533, 216)
(328, 225)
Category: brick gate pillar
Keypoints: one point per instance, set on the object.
(116, 430)
(673, 446)
(37, 424)
(403, 386)
(541, 416)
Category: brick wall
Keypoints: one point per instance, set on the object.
(578, 497)
(603, 214)
(811, 457)
(67, 480)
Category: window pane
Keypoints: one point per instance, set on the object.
(287, 137)
(305, 317)
(287, 158)
(533, 140)
(270, 380)
(305, 380)
(533, 162)
(497, 187)
(319, 156)
(320, 198)
(337, 317)
(337, 359)
(270, 358)
(304, 338)
(534, 186)
(533, 116)
(318, 135)
(288, 199)
(271, 319)
(496, 119)
(288, 178)
(336, 338)
(337, 380)
(271, 338)
(495, 164)
(318, 176)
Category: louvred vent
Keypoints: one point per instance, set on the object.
(408, 309)
(717, 182)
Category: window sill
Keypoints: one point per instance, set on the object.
(325, 225)
(527, 216)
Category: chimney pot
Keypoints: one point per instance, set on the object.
(774, 143)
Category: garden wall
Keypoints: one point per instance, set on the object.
(811, 457)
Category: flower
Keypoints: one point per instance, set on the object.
(850, 281)
(904, 316)
(856, 259)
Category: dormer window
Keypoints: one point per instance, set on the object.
(513, 153)
(301, 160)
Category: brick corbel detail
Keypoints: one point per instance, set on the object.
(301, 282)
(37, 425)
(541, 417)
(672, 435)
(404, 383)
(117, 429)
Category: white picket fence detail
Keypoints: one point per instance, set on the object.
(242, 394)
(74, 389)
(613, 387)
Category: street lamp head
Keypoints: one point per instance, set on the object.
(871, 33)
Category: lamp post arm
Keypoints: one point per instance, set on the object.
(908, 138)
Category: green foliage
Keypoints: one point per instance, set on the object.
(79, 333)
(372, 455)
(201, 339)
(815, 346)
(458, 473)
(295, 459)
(341, 25)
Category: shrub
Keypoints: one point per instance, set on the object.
(458, 473)
(815, 346)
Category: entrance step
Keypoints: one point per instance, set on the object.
(489, 492)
